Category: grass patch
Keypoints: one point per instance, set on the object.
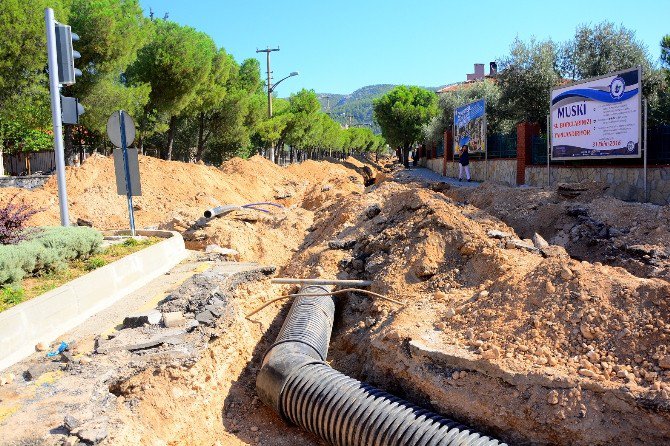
(94, 263)
(31, 287)
(10, 296)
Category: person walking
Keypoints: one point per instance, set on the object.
(464, 163)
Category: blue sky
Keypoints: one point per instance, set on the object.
(339, 46)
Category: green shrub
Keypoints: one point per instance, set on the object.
(130, 242)
(48, 249)
(94, 263)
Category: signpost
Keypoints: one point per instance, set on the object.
(121, 131)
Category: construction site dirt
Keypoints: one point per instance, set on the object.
(538, 316)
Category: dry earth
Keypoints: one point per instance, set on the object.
(501, 330)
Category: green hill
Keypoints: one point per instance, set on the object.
(355, 109)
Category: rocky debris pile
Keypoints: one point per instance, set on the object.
(187, 319)
(175, 336)
(584, 220)
(574, 190)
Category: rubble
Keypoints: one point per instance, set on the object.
(152, 317)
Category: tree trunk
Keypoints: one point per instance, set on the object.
(140, 145)
(167, 153)
(201, 138)
(69, 146)
(405, 156)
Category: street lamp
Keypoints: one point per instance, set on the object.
(271, 88)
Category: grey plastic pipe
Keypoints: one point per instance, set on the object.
(219, 210)
(296, 381)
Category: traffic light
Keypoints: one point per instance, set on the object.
(71, 109)
(66, 55)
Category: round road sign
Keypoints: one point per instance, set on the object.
(114, 128)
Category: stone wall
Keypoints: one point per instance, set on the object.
(499, 170)
(627, 183)
(25, 182)
(434, 164)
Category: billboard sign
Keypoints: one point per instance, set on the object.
(470, 127)
(598, 118)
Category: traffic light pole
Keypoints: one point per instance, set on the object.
(56, 114)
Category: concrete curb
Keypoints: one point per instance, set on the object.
(48, 316)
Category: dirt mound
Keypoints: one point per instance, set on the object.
(181, 191)
(586, 221)
(472, 285)
(259, 237)
(326, 182)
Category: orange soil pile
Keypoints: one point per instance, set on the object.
(273, 237)
(508, 303)
(179, 190)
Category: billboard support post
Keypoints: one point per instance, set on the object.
(486, 151)
(548, 150)
(644, 173)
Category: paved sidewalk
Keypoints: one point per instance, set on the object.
(424, 175)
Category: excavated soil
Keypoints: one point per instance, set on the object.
(558, 342)
(524, 342)
(584, 219)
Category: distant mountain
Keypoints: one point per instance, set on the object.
(355, 109)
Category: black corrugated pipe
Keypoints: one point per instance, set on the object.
(295, 380)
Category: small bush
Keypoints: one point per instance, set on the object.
(130, 242)
(11, 296)
(48, 249)
(13, 218)
(94, 263)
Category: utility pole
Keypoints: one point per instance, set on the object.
(267, 51)
(271, 88)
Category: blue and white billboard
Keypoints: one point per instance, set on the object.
(598, 118)
(470, 127)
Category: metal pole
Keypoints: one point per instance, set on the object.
(267, 52)
(548, 151)
(486, 152)
(644, 174)
(269, 86)
(295, 281)
(453, 143)
(56, 114)
(129, 192)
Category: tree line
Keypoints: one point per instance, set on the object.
(520, 90)
(190, 99)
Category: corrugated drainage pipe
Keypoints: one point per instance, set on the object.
(295, 380)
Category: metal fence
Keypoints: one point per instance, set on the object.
(27, 163)
(501, 145)
(440, 149)
(538, 154)
(658, 146)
